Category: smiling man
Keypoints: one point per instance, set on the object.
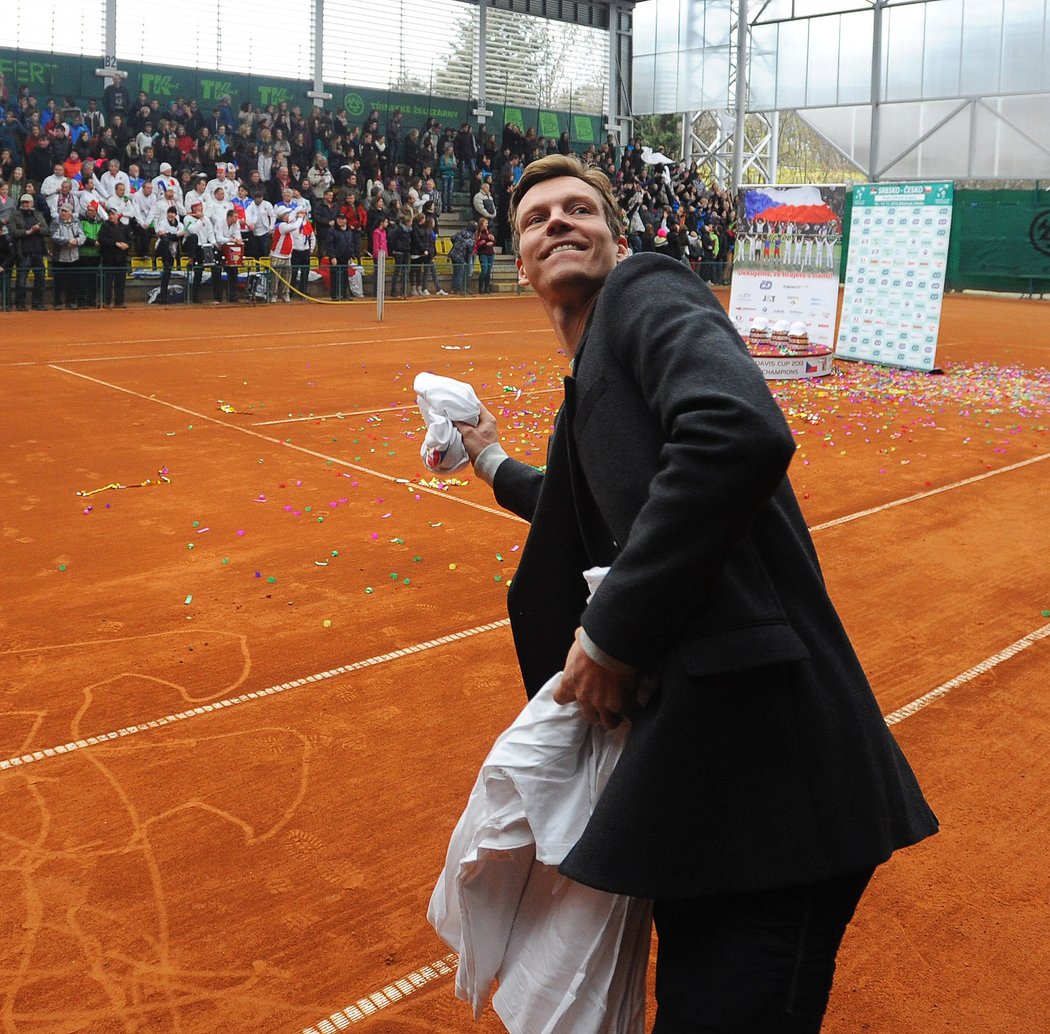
(759, 787)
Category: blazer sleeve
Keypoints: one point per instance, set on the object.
(693, 423)
(516, 486)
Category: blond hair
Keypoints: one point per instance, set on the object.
(553, 166)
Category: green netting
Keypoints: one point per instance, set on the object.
(1000, 241)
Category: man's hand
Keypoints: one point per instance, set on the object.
(479, 437)
(605, 697)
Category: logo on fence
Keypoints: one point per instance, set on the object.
(354, 104)
(1039, 232)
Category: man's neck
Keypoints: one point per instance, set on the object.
(569, 322)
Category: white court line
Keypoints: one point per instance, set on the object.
(395, 409)
(925, 495)
(295, 448)
(366, 1007)
(218, 705)
(298, 343)
(967, 676)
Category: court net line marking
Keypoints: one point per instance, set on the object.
(437, 493)
(243, 698)
(390, 994)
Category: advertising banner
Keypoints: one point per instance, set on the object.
(62, 75)
(895, 274)
(786, 262)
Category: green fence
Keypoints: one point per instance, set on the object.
(1000, 241)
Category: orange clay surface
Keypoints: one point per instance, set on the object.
(261, 865)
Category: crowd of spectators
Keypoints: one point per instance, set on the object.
(86, 188)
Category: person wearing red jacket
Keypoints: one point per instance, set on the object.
(357, 222)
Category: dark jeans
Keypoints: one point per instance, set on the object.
(113, 280)
(338, 278)
(758, 963)
(64, 278)
(167, 262)
(232, 273)
(301, 270)
(485, 276)
(196, 274)
(88, 280)
(30, 264)
(399, 285)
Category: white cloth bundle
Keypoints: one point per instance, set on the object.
(569, 959)
(442, 400)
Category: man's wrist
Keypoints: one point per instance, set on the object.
(488, 460)
(599, 656)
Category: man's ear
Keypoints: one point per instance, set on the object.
(523, 277)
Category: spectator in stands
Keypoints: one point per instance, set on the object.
(170, 235)
(231, 248)
(340, 247)
(324, 212)
(485, 249)
(380, 250)
(40, 161)
(29, 231)
(111, 177)
(356, 221)
(399, 241)
(7, 266)
(260, 219)
(286, 223)
(430, 276)
(145, 204)
(66, 238)
(319, 176)
(447, 166)
(461, 255)
(114, 240)
(485, 204)
(200, 245)
(149, 167)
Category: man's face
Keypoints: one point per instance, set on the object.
(119, 188)
(566, 246)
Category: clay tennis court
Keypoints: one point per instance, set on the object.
(242, 705)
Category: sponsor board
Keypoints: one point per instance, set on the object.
(895, 274)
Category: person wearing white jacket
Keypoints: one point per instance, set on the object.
(113, 175)
(53, 183)
(260, 218)
(224, 180)
(201, 244)
(197, 192)
(165, 180)
(288, 223)
(65, 195)
(216, 210)
(120, 202)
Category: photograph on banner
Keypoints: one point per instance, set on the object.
(787, 257)
(895, 273)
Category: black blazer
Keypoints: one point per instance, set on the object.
(762, 760)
